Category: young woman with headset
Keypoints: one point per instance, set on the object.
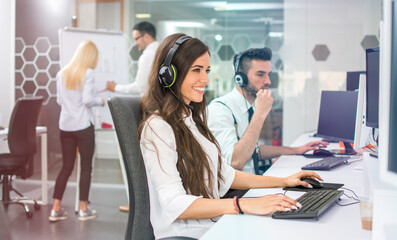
(186, 173)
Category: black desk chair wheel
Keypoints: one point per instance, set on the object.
(22, 144)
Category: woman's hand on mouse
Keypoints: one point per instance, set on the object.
(311, 146)
(295, 179)
(268, 204)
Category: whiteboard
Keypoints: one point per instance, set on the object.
(112, 60)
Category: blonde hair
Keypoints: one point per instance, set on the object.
(86, 56)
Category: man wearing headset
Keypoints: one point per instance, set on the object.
(236, 118)
(144, 36)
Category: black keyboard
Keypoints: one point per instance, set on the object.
(326, 163)
(314, 203)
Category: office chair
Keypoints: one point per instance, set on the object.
(126, 116)
(22, 145)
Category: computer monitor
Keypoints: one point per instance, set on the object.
(388, 100)
(337, 117)
(352, 80)
(361, 132)
(372, 89)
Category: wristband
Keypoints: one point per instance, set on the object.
(237, 205)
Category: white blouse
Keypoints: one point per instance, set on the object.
(168, 198)
(145, 63)
(76, 105)
(221, 123)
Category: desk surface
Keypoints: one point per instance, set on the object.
(337, 222)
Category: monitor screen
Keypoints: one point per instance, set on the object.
(353, 80)
(372, 88)
(337, 117)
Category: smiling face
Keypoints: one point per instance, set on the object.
(258, 74)
(192, 89)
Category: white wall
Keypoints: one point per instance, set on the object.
(7, 82)
(339, 24)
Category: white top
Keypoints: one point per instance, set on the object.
(76, 105)
(221, 123)
(168, 198)
(145, 63)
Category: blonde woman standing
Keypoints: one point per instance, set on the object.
(76, 96)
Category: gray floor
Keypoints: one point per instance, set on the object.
(107, 193)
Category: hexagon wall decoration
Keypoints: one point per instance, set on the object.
(369, 41)
(321, 52)
(226, 52)
(35, 68)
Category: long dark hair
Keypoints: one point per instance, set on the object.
(193, 164)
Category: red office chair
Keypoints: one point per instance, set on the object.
(22, 145)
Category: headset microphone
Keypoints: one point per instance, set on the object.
(251, 90)
(188, 106)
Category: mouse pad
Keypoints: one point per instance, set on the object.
(326, 186)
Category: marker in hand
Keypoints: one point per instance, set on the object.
(101, 91)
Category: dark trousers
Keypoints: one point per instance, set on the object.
(85, 141)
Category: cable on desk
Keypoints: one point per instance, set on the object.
(347, 204)
(355, 197)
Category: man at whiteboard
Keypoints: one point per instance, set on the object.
(144, 36)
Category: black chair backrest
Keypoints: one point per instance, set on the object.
(126, 116)
(23, 122)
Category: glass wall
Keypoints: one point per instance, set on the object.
(227, 27)
(315, 42)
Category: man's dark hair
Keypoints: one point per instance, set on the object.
(264, 54)
(145, 27)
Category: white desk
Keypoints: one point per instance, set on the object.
(42, 132)
(336, 223)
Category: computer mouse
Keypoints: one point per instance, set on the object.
(323, 153)
(314, 183)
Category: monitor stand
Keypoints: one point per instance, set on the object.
(349, 150)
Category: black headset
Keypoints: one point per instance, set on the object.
(240, 77)
(168, 72)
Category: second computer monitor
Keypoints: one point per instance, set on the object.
(353, 80)
(337, 117)
(372, 89)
